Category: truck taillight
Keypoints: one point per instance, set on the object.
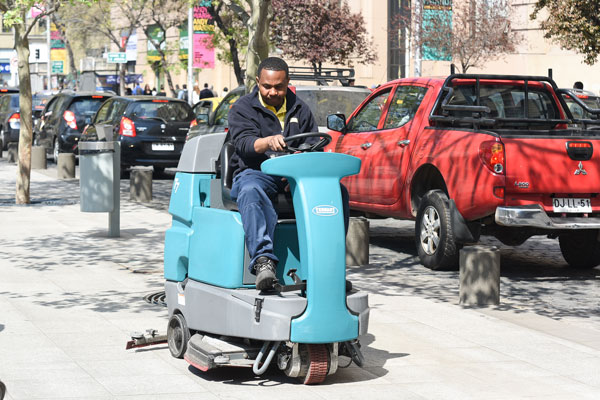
(492, 156)
(69, 117)
(127, 127)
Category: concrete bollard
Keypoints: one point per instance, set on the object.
(479, 276)
(65, 167)
(140, 184)
(357, 242)
(12, 155)
(38, 157)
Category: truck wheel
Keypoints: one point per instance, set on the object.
(580, 249)
(433, 233)
(178, 335)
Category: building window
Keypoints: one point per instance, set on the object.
(399, 21)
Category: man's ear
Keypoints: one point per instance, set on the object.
(257, 81)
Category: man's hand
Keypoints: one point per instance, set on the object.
(274, 143)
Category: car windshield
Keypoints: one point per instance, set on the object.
(14, 101)
(86, 106)
(162, 109)
(331, 101)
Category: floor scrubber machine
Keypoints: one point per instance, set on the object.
(217, 317)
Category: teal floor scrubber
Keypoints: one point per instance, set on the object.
(217, 318)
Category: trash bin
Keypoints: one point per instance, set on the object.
(99, 180)
(96, 176)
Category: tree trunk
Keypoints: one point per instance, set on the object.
(25, 133)
(258, 39)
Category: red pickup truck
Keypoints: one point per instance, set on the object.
(476, 154)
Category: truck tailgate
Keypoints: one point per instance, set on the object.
(546, 165)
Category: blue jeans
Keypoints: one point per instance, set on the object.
(253, 191)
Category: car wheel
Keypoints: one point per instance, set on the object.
(3, 139)
(580, 249)
(55, 150)
(434, 236)
(178, 335)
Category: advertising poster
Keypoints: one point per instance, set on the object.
(204, 29)
(183, 43)
(131, 46)
(436, 9)
(157, 34)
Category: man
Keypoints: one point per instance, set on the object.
(258, 123)
(182, 94)
(206, 92)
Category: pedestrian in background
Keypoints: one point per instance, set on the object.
(206, 92)
(182, 95)
(578, 85)
(147, 90)
(138, 89)
(195, 94)
(225, 91)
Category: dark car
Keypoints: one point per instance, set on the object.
(64, 118)
(38, 103)
(10, 119)
(322, 101)
(151, 130)
(8, 90)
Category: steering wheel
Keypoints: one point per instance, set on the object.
(305, 147)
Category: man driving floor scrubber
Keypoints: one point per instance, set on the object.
(258, 124)
(249, 279)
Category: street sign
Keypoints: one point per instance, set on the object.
(117, 58)
(57, 67)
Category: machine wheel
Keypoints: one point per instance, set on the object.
(318, 364)
(433, 233)
(55, 150)
(178, 335)
(580, 249)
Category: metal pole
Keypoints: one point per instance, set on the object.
(190, 69)
(114, 217)
(48, 72)
(418, 26)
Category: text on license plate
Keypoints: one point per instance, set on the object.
(572, 205)
(163, 147)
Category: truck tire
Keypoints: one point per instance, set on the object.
(434, 236)
(580, 249)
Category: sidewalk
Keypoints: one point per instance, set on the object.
(70, 297)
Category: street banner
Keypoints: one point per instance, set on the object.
(183, 43)
(157, 34)
(432, 10)
(204, 29)
(130, 46)
(56, 40)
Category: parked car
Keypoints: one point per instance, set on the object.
(475, 154)
(588, 98)
(38, 103)
(203, 109)
(10, 119)
(151, 130)
(64, 118)
(322, 101)
(8, 90)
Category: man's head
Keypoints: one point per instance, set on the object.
(206, 86)
(272, 80)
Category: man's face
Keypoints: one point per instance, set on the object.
(272, 86)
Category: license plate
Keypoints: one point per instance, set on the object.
(163, 147)
(569, 205)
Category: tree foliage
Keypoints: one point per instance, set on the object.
(321, 31)
(573, 24)
(479, 31)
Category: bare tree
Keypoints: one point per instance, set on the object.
(478, 31)
(113, 20)
(162, 15)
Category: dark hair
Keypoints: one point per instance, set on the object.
(206, 85)
(273, 64)
(578, 85)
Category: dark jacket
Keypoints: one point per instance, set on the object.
(249, 120)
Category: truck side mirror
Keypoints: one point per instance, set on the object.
(336, 122)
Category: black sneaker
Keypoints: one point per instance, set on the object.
(265, 273)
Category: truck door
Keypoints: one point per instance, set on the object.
(359, 138)
(389, 155)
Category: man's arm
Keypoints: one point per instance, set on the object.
(246, 135)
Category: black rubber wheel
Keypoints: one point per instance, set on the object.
(580, 249)
(178, 335)
(433, 233)
(2, 390)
